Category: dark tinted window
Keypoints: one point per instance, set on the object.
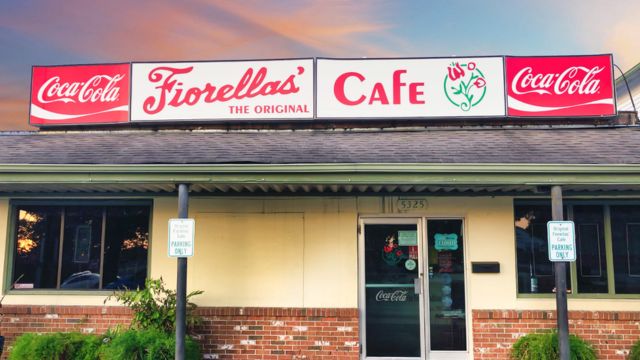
(80, 247)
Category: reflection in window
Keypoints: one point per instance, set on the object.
(591, 259)
(625, 229)
(80, 247)
(535, 271)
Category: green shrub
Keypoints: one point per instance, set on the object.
(154, 307)
(128, 345)
(56, 346)
(146, 345)
(634, 354)
(544, 346)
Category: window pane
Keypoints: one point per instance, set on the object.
(37, 247)
(591, 258)
(81, 248)
(392, 306)
(126, 245)
(535, 271)
(625, 228)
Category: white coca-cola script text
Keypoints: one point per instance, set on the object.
(99, 88)
(395, 296)
(573, 80)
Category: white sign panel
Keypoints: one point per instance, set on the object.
(181, 237)
(562, 241)
(410, 88)
(231, 90)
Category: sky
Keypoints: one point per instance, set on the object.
(41, 32)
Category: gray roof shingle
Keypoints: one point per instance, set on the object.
(611, 145)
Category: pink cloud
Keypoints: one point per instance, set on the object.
(162, 30)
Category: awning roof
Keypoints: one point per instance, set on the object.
(610, 145)
(434, 161)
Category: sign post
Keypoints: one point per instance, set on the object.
(182, 231)
(563, 233)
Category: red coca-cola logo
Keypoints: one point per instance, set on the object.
(560, 86)
(80, 94)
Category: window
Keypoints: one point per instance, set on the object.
(535, 271)
(607, 246)
(80, 246)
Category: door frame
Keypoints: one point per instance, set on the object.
(420, 220)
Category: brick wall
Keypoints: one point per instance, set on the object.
(226, 333)
(611, 333)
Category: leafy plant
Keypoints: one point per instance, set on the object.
(128, 345)
(56, 346)
(634, 354)
(544, 346)
(150, 344)
(154, 307)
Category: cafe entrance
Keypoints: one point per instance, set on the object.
(412, 288)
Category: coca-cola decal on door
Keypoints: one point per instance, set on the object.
(85, 94)
(564, 86)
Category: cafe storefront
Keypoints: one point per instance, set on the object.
(341, 210)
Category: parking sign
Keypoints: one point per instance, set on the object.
(562, 240)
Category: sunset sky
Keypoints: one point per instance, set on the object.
(77, 32)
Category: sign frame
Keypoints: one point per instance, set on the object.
(230, 120)
(571, 240)
(451, 118)
(128, 84)
(552, 117)
(191, 231)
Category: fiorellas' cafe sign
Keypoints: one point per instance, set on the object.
(317, 89)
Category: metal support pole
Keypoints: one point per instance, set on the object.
(561, 282)
(181, 287)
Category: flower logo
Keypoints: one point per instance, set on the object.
(464, 85)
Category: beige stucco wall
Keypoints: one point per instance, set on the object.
(302, 252)
(287, 252)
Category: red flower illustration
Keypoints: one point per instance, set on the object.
(480, 83)
(388, 249)
(455, 71)
(399, 253)
(471, 65)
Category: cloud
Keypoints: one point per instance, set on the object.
(14, 113)
(624, 44)
(158, 30)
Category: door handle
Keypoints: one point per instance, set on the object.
(417, 286)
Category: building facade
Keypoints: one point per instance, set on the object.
(348, 238)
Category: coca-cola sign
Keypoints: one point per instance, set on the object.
(86, 94)
(392, 296)
(231, 90)
(560, 86)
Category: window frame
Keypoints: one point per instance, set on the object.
(12, 233)
(572, 267)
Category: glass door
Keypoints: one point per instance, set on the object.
(412, 289)
(392, 289)
(447, 319)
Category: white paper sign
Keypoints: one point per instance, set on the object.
(181, 237)
(222, 90)
(410, 88)
(562, 240)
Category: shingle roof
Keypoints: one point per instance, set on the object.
(612, 145)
